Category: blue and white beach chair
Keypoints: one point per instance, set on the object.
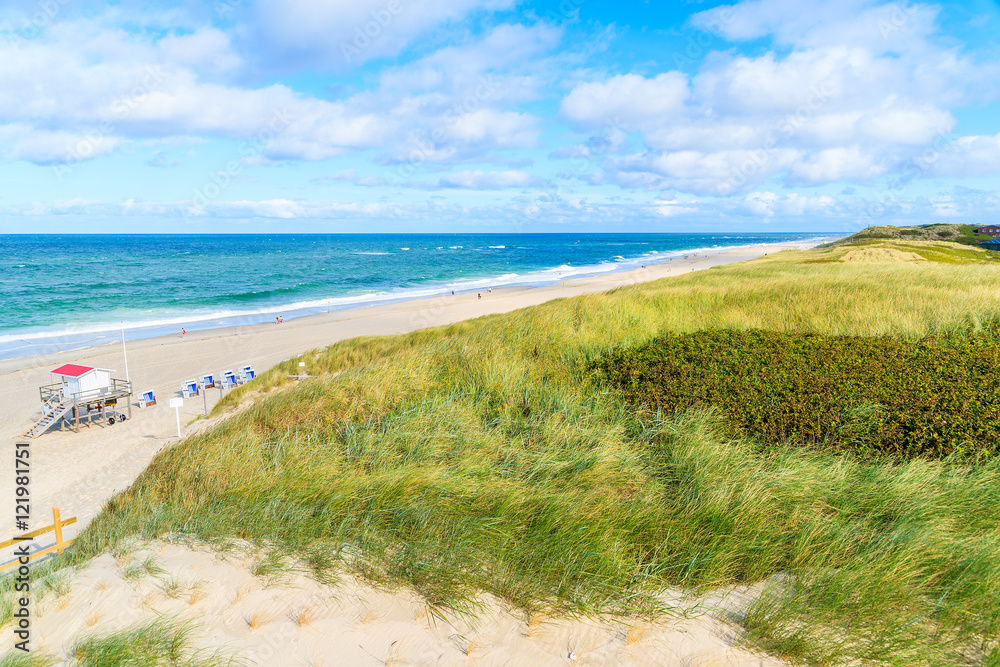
(229, 380)
(189, 388)
(208, 381)
(146, 399)
(247, 373)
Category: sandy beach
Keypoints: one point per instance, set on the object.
(293, 620)
(79, 472)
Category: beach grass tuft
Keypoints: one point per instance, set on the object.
(16, 658)
(160, 643)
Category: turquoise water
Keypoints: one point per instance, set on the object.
(62, 292)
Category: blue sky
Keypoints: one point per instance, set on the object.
(496, 115)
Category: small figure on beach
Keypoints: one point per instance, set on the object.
(479, 295)
(489, 290)
(453, 292)
(183, 332)
(278, 320)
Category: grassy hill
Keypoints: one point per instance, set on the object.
(481, 456)
(963, 234)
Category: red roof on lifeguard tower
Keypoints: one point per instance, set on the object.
(72, 370)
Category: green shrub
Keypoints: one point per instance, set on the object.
(936, 396)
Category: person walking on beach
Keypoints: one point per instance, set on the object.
(479, 295)
(183, 332)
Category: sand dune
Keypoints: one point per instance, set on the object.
(79, 472)
(294, 620)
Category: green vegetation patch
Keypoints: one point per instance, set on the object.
(936, 396)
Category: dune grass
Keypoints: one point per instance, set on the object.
(162, 642)
(15, 658)
(158, 643)
(476, 457)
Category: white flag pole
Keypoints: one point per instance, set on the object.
(125, 353)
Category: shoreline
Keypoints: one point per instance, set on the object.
(79, 472)
(83, 337)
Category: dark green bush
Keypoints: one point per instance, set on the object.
(932, 397)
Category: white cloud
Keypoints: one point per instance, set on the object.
(242, 209)
(845, 103)
(769, 204)
(850, 163)
(488, 180)
(873, 25)
(346, 33)
(671, 207)
(719, 173)
(134, 87)
(492, 128)
(54, 147)
(629, 100)
(965, 156)
(207, 49)
(351, 176)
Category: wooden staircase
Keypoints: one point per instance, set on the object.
(58, 409)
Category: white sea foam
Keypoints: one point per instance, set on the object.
(49, 339)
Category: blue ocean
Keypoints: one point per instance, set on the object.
(60, 292)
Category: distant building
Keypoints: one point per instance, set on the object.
(992, 230)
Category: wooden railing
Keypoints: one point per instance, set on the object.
(57, 526)
(118, 388)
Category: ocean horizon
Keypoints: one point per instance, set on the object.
(62, 292)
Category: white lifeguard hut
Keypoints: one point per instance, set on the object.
(81, 391)
(83, 381)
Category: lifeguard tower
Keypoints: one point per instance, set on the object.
(82, 391)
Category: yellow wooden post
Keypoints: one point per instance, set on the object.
(59, 546)
(58, 525)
